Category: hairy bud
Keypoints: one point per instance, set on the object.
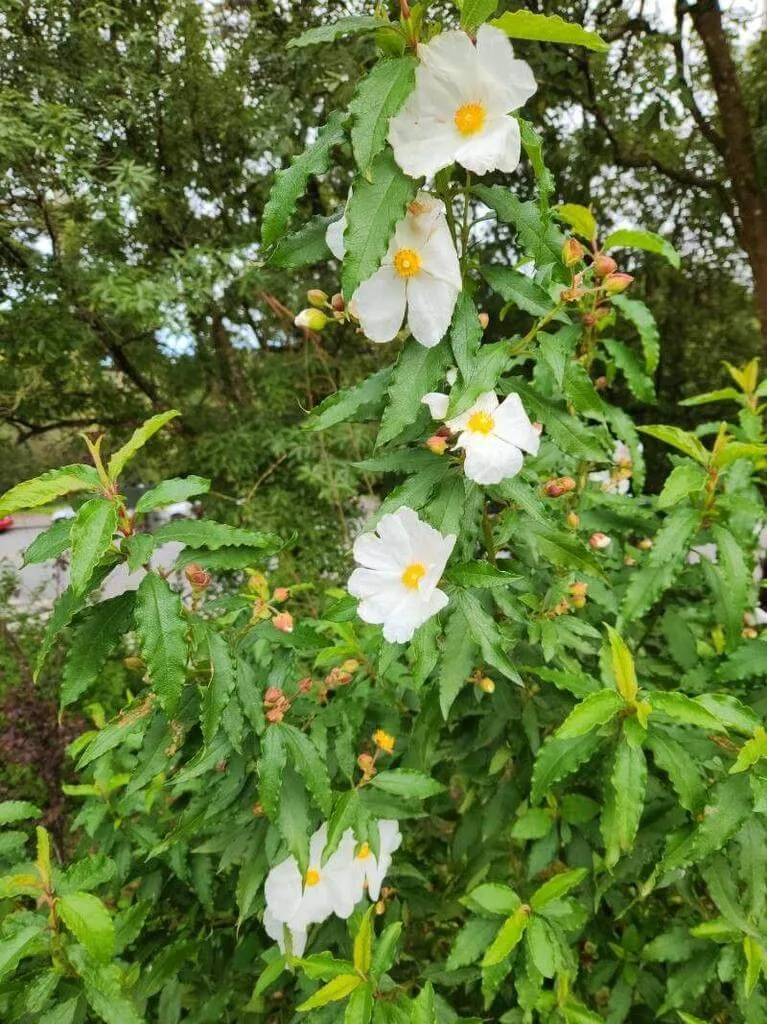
(283, 621)
(484, 320)
(572, 252)
(197, 577)
(573, 520)
(598, 541)
(316, 297)
(437, 444)
(337, 303)
(486, 684)
(272, 695)
(645, 544)
(305, 685)
(311, 319)
(280, 594)
(614, 284)
(559, 486)
(604, 265)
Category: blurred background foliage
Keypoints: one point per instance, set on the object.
(138, 145)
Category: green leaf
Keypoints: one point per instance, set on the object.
(562, 550)
(639, 315)
(465, 334)
(407, 783)
(475, 12)
(385, 950)
(309, 764)
(480, 576)
(532, 144)
(55, 483)
(484, 629)
(628, 238)
(224, 558)
(720, 395)
(67, 605)
(170, 491)
(482, 375)
(508, 937)
(343, 405)
(12, 811)
(359, 1009)
(424, 1007)
(539, 237)
(89, 921)
(567, 432)
(471, 941)
(22, 943)
(161, 631)
(104, 989)
(622, 661)
(518, 289)
(595, 710)
(640, 385)
(541, 947)
(62, 1013)
(559, 758)
(219, 690)
(363, 942)
(684, 481)
(293, 817)
(352, 25)
(137, 440)
(271, 765)
(579, 218)
(673, 758)
(670, 547)
(457, 662)
(290, 182)
(756, 960)
(378, 98)
(92, 532)
(335, 990)
(50, 543)
(730, 712)
(729, 804)
(303, 247)
(682, 440)
(557, 887)
(753, 750)
(493, 897)
(98, 633)
(204, 533)
(418, 371)
(734, 576)
(273, 970)
(139, 548)
(532, 824)
(684, 709)
(378, 202)
(548, 29)
(624, 799)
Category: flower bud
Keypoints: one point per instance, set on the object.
(280, 594)
(275, 715)
(316, 297)
(598, 541)
(133, 664)
(272, 695)
(601, 383)
(629, 561)
(283, 621)
(614, 284)
(305, 685)
(384, 741)
(578, 589)
(350, 665)
(484, 320)
(572, 252)
(197, 577)
(366, 764)
(645, 544)
(749, 633)
(437, 444)
(337, 303)
(604, 265)
(257, 584)
(486, 684)
(257, 810)
(559, 486)
(311, 319)
(573, 520)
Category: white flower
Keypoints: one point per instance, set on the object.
(420, 274)
(294, 902)
(494, 436)
(437, 403)
(459, 109)
(402, 563)
(700, 551)
(617, 480)
(373, 869)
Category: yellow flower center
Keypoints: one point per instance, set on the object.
(413, 575)
(407, 262)
(470, 118)
(480, 423)
(364, 852)
(312, 877)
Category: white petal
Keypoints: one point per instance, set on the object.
(283, 889)
(451, 57)
(513, 424)
(370, 551)
(390, 839)
(437, 403)
(317, 845)
(438, 255)
(511, 81)
(496, 148)
(489, 459)
(334, 236)
(422, 145)
(380, 304)
(396, 530)
(430, 308)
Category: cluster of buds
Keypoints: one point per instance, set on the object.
(339, 675)
(599, 541)
(197, 578)
(276, 704)
(576, 291)
(314, 318)
(578, 593)
(557, 487)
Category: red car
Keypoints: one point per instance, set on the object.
(6, 522)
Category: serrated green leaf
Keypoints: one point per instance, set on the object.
(548, 29)
(482, 375)
(622, 661)
(55, 483)
(518, 289)
(352, 25)
(458, 658)
(363, 942)
(343, 405)
(137, 440)
(359, 1009)
(640, 385)
(218, 693)
(12, 811)
(579, 218)
(407, 783)
(470, 942)
(378, 98)
(557, 759)
(684, 481)
(92, 531)
(423, 1007)
(508, 937)
(161, 631)
(88, 919)
(639, 315)
(20, 944)
(540, 238)
(475, 12)
(594, 711)
(290, 182)
(567, 432)
(204, 533)
(465, 334)
(385, 949)
(557, 887)
(623, 800)
(98, 633)
(418, 371)
(307, 761)
(139, 548)
(484, 630)
(682, 440)
(271, 765)
(303, 247)
(632, 238)
(378, 202)
(673, 758)
(170, 491)
(541, 946)
(50, 543)
(720, 395)
(293, 817)
(684, 709)
(335, 990)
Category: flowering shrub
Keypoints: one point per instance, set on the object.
(516, 771)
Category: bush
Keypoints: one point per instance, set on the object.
(522, 777)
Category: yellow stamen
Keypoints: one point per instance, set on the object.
(407, 262)
(311, 877)
(470, 118)
(413, 575)
(364, 852)
(480, 423)
(383, 741)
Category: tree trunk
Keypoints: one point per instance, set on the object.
(739, 147)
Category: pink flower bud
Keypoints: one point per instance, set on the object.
(598, 541)
(197, 577)
(305, 685)
(484, 320)
(437, 444)
(280, 594)
(337, 303)
(604, 265)
(272, 695)
(283, 621)
(614, 284)
(556, 488)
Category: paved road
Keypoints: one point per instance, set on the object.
(39, 585)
